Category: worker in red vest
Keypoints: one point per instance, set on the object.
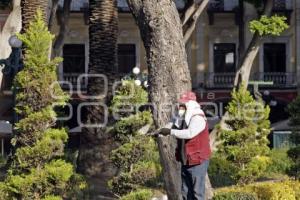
(193, 149)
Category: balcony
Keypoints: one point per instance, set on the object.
(223, 6)
(220, 80)
(283, 7)
(71, 80)
(226, 80)
(280, 79)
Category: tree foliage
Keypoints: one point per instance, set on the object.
(294, 152)
(37, 170)
(273, 25)
(137, 158)
(244, 141)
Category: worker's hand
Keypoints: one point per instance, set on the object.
(165, 131)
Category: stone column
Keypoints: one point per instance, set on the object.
(201, 47)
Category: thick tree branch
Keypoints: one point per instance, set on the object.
(63, 16)
(190, 8)
(243, 73)
(53, 10)
(190, 29)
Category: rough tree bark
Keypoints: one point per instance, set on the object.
(63, 16)
(244, 70)
(52, 14)
(12, 25)
(29, 8)
(96, 144)
(169, 76)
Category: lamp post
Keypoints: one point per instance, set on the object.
(16, 45)
(140, 79)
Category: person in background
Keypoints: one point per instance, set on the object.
(193, 150)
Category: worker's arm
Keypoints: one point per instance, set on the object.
(197, 125)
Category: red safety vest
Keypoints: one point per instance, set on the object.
(197, 149)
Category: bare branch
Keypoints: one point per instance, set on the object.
(194, 19)
(188, 12)
(52, 13)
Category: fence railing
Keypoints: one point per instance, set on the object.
(226, 80)
(72, 79)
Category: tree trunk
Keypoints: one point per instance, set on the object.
(96, 144)
(52, 13)
(243, 73)
(12, 25)
(29, 8)
(63, 16)
(169, 76)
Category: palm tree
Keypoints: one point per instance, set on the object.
(96, 144)
(29, 8)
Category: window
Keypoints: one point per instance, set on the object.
(126, 57)
(274, 57)
(224, 57)
(223, 5)
(74, 58)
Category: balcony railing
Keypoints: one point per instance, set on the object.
(283, 5)
(280, 79)
(220, 80)
(226, 80)
(223, 5)
(72, 79)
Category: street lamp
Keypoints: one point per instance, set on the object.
(13, 63)
(140, 79)
(14, 42)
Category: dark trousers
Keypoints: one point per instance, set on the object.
(193, 181)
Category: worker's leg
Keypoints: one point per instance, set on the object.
(198, 173)
(187, 184)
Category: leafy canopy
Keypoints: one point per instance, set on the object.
(273, 25)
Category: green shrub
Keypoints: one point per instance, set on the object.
(128, 127)
(244, 141)
(221, 171)
(129, 94)
(142, 194)
(52, 198)
(286, 190)
(280, 163)
(37, 169)
(139, 163)
(137, 157)
(235, 196)
(146, 173)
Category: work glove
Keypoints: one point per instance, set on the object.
(166, 130)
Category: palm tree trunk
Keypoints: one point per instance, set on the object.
(29, 8)
(96, 144)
